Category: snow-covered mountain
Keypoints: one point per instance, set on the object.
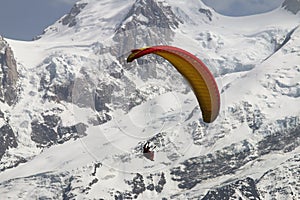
(74, 115)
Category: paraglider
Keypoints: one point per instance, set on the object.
(194, 70)
(147, 152)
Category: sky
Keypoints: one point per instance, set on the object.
(25, 19)
(243, 7)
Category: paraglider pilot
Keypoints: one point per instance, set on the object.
(147, 152)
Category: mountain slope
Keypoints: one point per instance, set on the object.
(83, 114)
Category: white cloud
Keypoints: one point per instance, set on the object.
(243, 7)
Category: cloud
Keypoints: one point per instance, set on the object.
(243, 7)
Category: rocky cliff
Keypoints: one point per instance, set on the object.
(9, 74)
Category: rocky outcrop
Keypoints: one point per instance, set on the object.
(197, 169)
(141, 184)
(282, 182)
(70, 19)
(156, 17)
(46, 136)
(49, 131)
(150, 14)
(7, 139)
(8, 74)
(206, 12)
(57, 79)
(229, 159)
(8, 94)
(242, 189)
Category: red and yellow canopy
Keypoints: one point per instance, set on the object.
(196, 73)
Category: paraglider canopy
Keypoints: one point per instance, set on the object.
(195, 71)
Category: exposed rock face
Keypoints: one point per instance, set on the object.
(206, 12)
(141, 184)
(197, 169)
(8, 94)
(240, 189)
(56, 80)
(158, 19)
(8, 74)
(50, 131)
(292, 5)
(70, 19)
(283, 182)
(7, 139)
(142, 13)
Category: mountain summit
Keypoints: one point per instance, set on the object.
(292, 5)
